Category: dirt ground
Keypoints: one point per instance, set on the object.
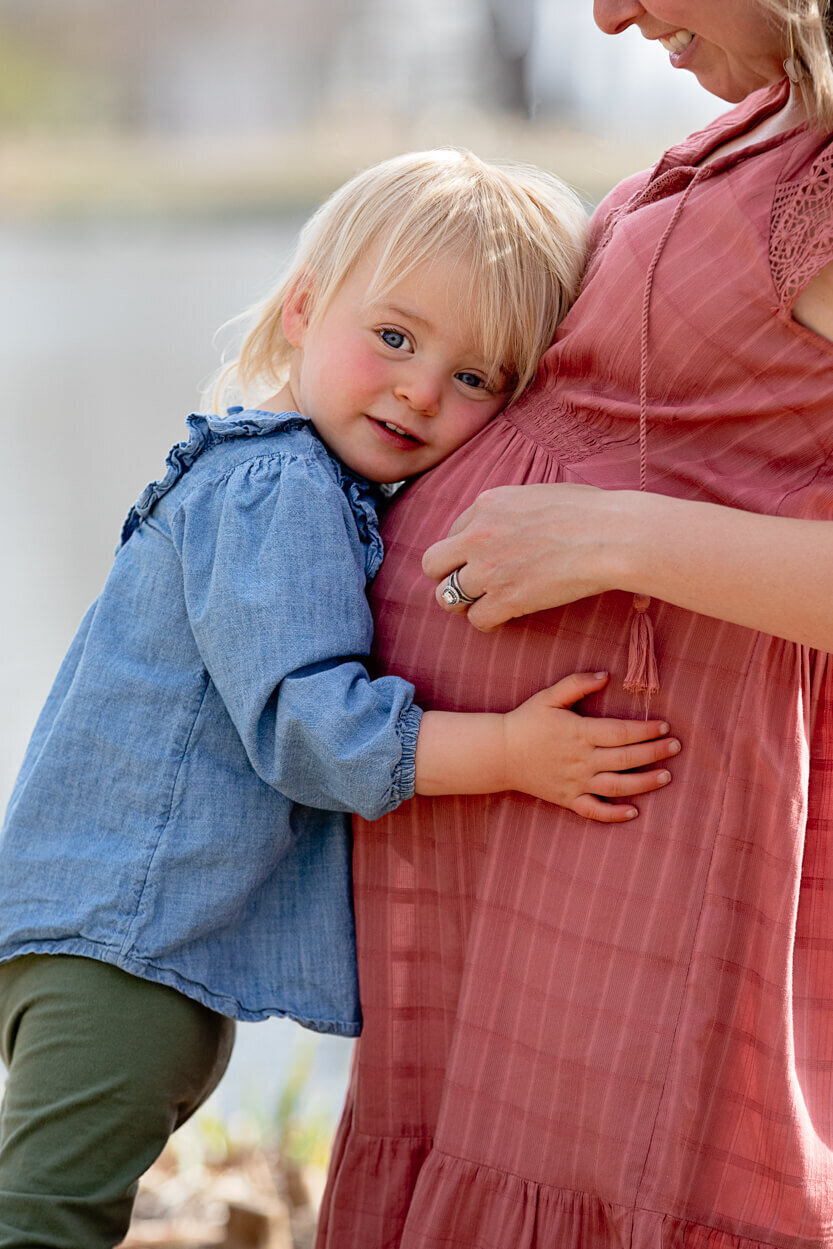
(252, 1199)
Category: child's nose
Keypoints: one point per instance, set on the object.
(421, 391)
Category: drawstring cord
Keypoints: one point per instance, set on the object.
(642, 676)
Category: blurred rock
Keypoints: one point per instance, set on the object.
(248, 1201)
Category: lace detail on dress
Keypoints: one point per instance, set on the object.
(801, 239)
(613, 218)
(659, 186)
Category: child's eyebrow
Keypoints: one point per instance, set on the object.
(407, 314)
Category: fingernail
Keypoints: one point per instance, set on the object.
(599, 675)
(663, 778)
(673, 747)
(631, 813)
(664, 728)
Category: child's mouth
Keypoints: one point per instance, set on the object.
(395, 434)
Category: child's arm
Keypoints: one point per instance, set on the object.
(544, 749)
(273, 575)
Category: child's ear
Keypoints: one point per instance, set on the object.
(295, 314)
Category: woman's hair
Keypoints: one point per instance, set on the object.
(520, 231)
(812, 39)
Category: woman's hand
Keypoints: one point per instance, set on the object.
(523, 549)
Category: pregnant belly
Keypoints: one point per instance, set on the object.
(452, 665)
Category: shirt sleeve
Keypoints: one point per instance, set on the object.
(274, 580)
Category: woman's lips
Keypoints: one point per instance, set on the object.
(678, 45)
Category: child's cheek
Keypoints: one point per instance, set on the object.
(365, 370)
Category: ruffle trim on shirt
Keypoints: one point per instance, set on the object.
(205, 431)
(445, 1202)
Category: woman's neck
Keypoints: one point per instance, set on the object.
(791, 114)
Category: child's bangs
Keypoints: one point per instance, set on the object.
(487, 296)
(515, 234)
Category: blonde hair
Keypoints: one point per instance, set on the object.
(521, 231)
(808, 33)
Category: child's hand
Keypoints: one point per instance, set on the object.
(575, 761)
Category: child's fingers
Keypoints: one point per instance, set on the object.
(626, 784)
(609, 732)
(622, 758)
(578, 685)
(592, 808)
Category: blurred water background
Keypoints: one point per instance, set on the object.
(155, 163)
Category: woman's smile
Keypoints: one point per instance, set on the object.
(678, 42)
(732, 49)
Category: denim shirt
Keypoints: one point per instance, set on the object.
(180, 811)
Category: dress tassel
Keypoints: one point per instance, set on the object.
(642, 676)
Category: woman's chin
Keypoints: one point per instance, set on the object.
(727, 87)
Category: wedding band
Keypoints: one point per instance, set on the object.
(451, 593)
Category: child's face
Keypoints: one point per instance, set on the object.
(393, 385)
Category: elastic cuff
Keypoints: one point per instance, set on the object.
(404, 776)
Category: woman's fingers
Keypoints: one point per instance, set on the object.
(446, 555)
(457, 592)
(489, 613)
(531, 547)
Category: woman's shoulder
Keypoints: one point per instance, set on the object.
(742, 145)
(614, 201)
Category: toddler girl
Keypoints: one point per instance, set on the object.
(176, 851)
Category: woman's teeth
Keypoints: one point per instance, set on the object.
(678, 41)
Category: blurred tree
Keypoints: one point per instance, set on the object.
(37, 86)
(512, 24)
(200, 66)
(175, 65)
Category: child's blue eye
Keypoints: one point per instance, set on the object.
(471, 379)
(393, 338)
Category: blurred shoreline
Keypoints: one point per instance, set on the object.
(49, 177)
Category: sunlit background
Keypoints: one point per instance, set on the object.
(155, 162)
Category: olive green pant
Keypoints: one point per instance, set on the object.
(102, 1068)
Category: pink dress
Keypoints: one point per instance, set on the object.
(584, 1037)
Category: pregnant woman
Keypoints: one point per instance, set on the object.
(580, 1038)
